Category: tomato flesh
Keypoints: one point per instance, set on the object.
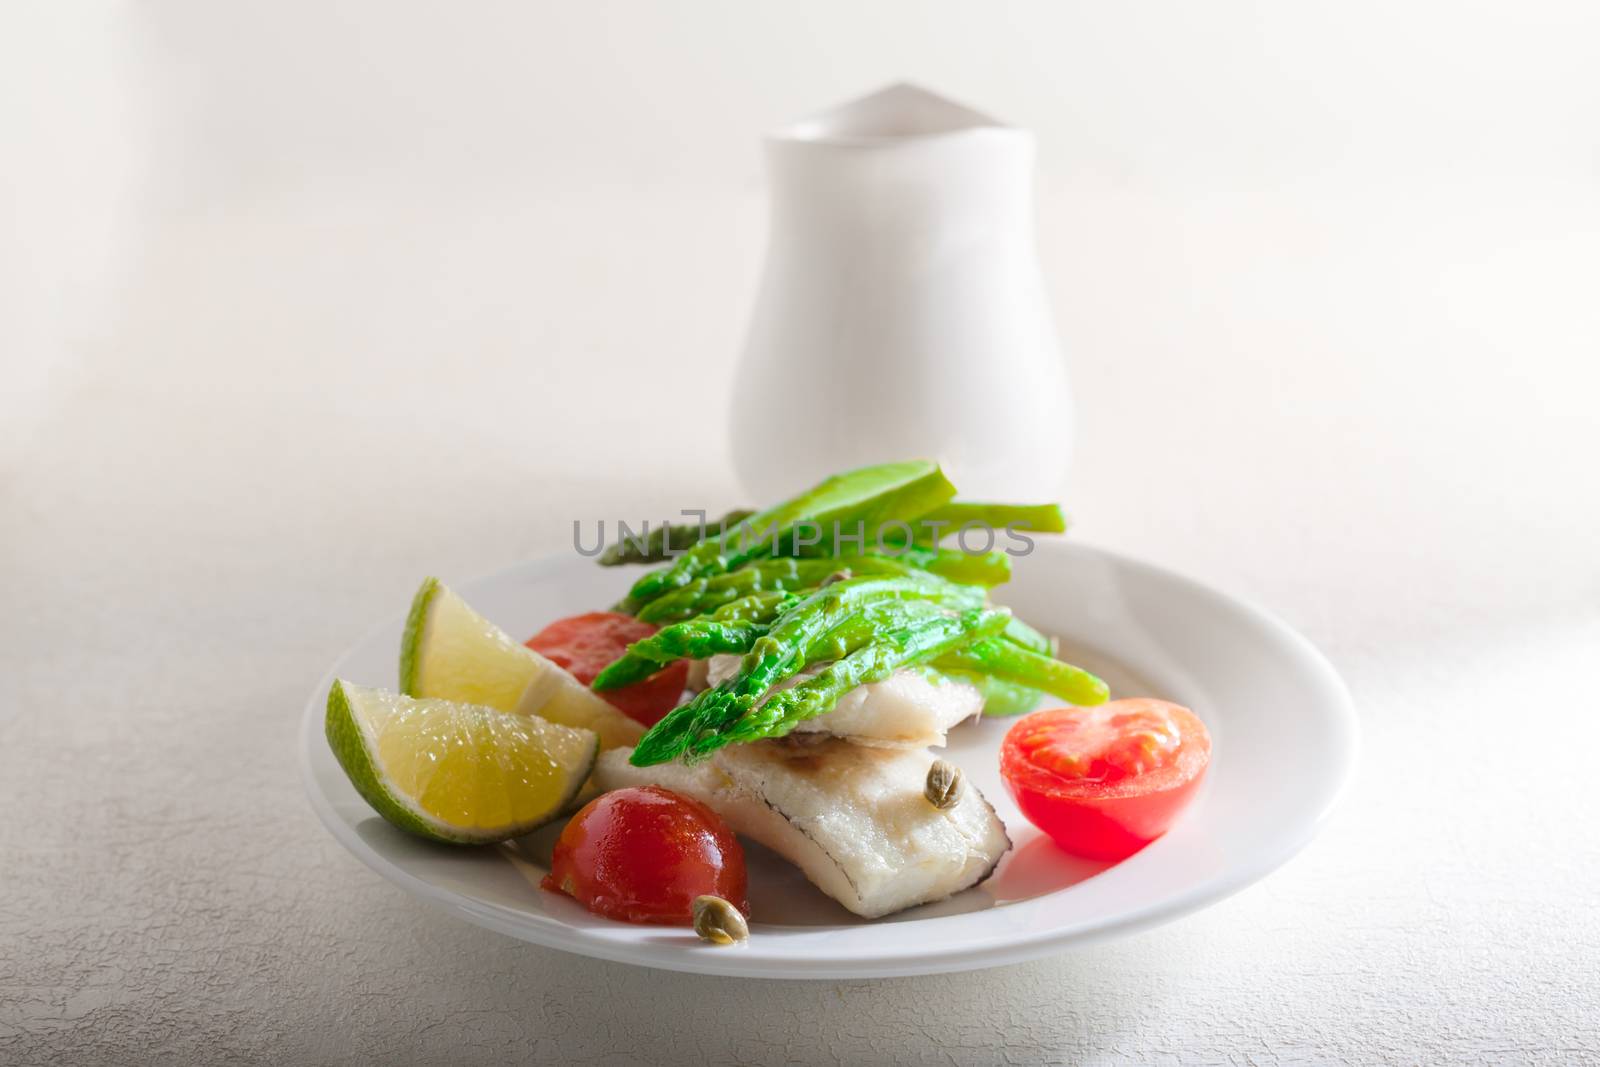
(1105, 781)
(585, 644)
(643, 854)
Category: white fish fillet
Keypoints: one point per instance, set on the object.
(905, 710)
(853, 819)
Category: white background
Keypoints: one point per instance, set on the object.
(302, 301)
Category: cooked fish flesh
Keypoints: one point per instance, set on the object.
(854, 819)
(908, 709)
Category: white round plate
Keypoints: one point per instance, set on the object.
(1284, 742)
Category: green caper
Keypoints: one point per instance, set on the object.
(718, 921)
(944, 785)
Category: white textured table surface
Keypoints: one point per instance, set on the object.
(286, 391)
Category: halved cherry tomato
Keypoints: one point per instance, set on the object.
(584, 644)
(1105, 781)
(643, 854)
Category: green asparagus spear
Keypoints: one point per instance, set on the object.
(1020, 633)
(869, 495)
(775, 656)
(905, 645)
(1034, 518)
(665, 540)
(737, 590)
(757, 607)
(711, 592)
(976, 568)
(948, 520)
(697, 640)
(737, 695)
(733, 628)
(869, 625)
(1001, 698)
(1006, 660)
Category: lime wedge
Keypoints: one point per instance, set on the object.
(451, 651)
(455, 772)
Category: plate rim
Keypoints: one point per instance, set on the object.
(739, 962)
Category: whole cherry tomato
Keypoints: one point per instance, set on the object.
(643, 854)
